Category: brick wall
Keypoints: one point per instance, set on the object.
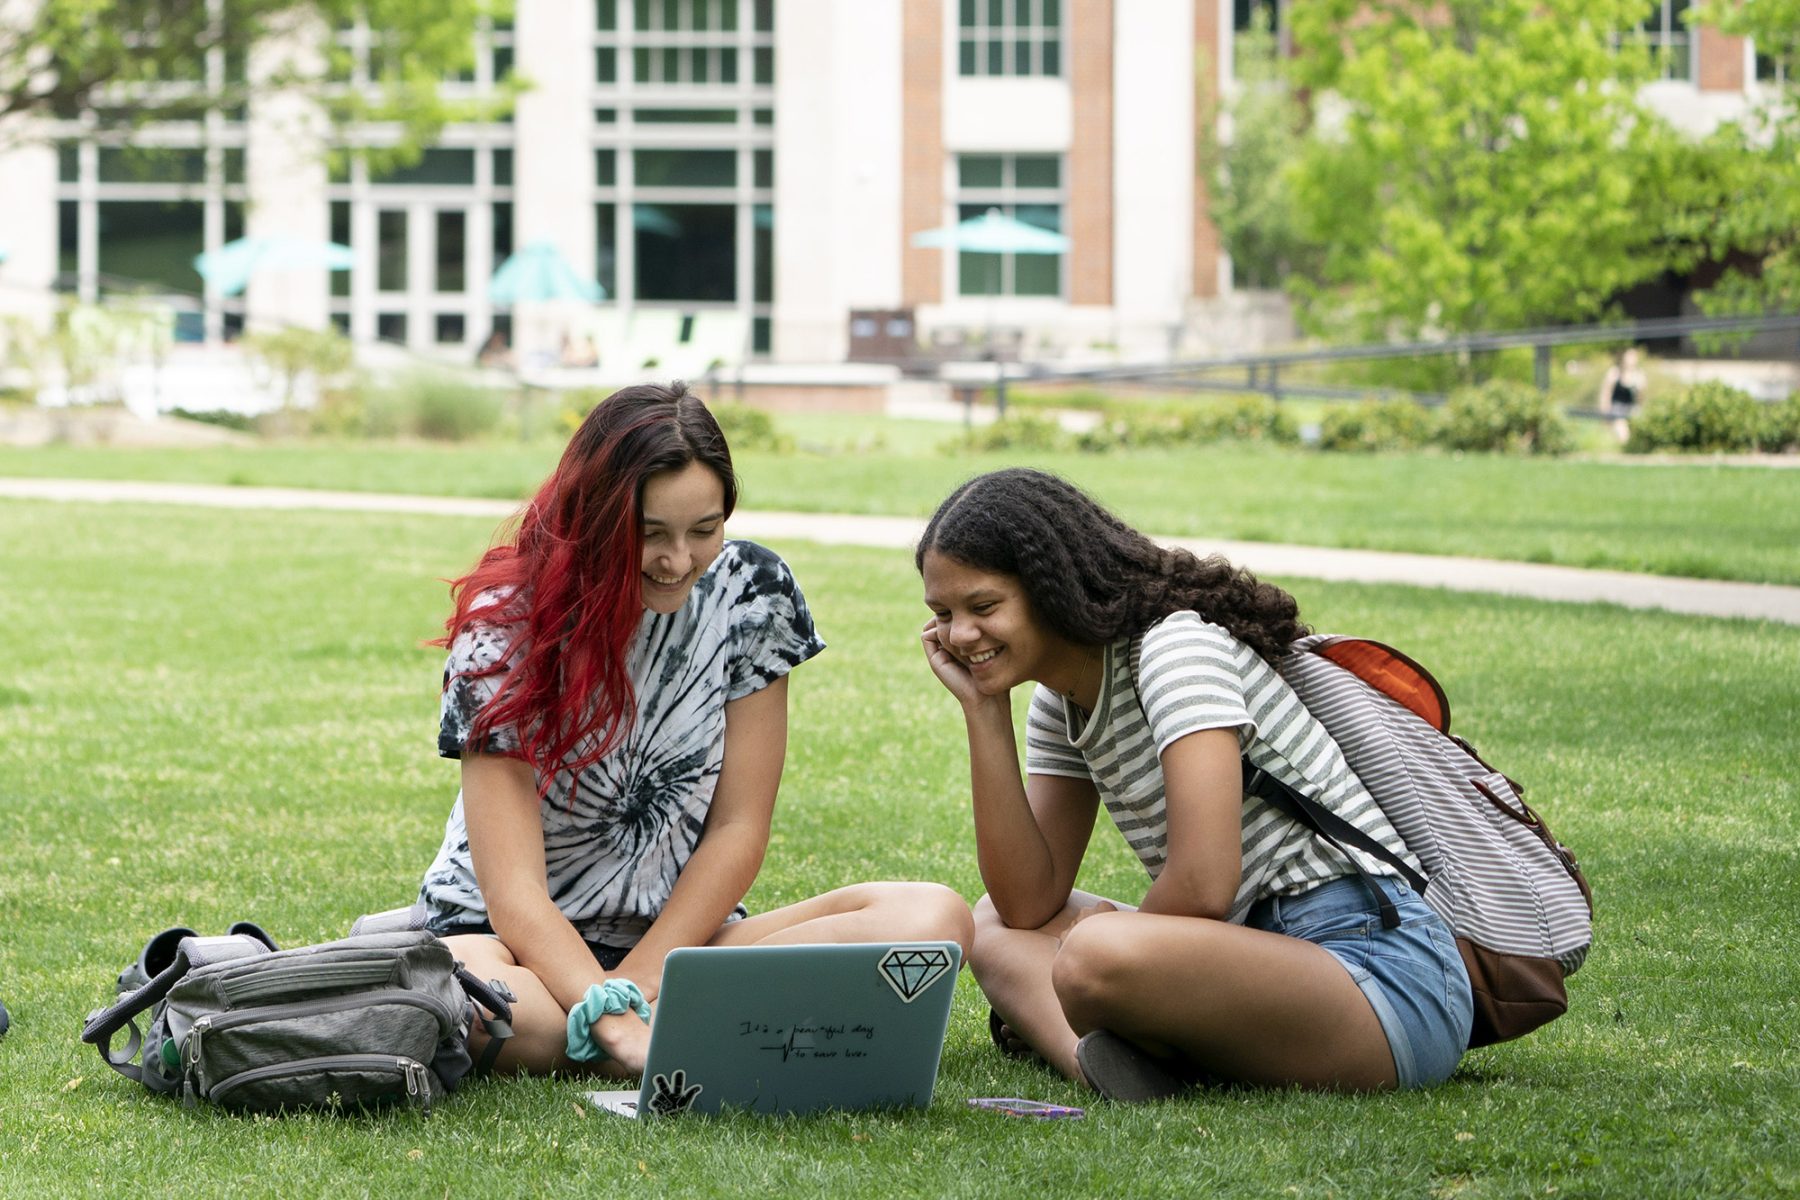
(1721, 60)
(1090, 180)
(922, 149)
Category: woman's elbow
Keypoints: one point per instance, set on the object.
(1014, 913)
(1200, 898)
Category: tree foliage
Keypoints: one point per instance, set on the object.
(1251, 202)
(1741, 185)
(117, 64)
(1476, 163)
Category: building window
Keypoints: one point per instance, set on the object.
(685, 251)
(1261, 18)
(682, 144)
(1010, 37)
(1769, 68)
(1027, 187)
(689, 43)
(1666, 36)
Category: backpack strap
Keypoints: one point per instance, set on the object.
(104, 1024)
(1315, 816)
(493, 1007)
(1337, 831)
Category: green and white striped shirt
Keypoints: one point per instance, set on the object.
(1195, 675)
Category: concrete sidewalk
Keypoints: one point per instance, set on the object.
(1697, 596)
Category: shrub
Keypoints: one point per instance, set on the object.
(1710, 416)
(1781, 426)
(1241, 419)
(365, 409)
(448, 409)
(224, 418)
(290, 354)
(747, 428)
(1504, 417)
(1020, 431)
(1368, 426)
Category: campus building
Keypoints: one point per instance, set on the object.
(772, 159)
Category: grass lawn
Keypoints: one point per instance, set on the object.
(1700, 520)
(210, 716)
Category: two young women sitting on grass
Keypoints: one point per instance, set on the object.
(617, 694)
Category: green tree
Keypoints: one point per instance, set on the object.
(1475, 163)
(1742, 184)
(1252, 202)
(124, 63)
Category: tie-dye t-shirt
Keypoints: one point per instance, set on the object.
(617, 835)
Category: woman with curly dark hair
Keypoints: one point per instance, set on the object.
(616, 692)
(1256, 955)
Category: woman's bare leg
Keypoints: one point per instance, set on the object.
(540, 1027)
(1242, 1004)
(1013, 967)
(861, 912)
(1236, 1003)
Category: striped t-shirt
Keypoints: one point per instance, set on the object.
(1193, 675)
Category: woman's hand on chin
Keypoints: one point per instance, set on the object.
(949, 669)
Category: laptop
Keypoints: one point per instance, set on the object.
(795, 1029)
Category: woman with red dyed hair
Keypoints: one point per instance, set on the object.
(617, 694)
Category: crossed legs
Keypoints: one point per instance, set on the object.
(863, 912)
(1239, 1004)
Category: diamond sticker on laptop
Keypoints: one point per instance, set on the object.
(910, 971)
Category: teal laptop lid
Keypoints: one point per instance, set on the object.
(795, 1029)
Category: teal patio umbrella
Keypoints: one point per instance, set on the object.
(539, 272)
(993, 232)
(230, 267)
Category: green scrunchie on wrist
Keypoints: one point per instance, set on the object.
(607, 999)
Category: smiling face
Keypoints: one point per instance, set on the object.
(684, 529)
(985, 620)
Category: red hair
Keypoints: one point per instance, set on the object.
(567, 582)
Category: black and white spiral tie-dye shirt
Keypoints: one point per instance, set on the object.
(616, 837)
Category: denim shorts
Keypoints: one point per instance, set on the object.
(1413, 975)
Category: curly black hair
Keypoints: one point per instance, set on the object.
(1089, 576)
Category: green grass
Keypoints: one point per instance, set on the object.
(209, 716)
(1700, 520)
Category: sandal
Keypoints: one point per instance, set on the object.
(1010, 1043)
(1124, 1072)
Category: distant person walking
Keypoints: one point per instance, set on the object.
(1621, 390)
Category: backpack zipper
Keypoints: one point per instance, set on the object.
(412, 1072)
(193, 1069)
(301, 977)
(190, 1062)
(300, 1008)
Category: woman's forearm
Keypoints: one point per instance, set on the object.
(715, 879)
(1016, 865)
(543, 941)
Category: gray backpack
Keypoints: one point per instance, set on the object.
(373, 1019)
(1512, 894)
